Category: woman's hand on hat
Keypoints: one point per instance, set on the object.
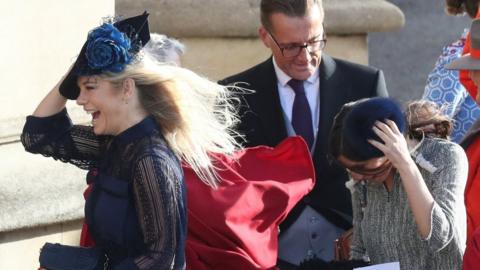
(394, 145)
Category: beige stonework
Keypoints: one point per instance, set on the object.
(362, 16)
(217, 58)
(41, 40)
(20, 249)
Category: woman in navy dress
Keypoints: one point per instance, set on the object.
(146, 120)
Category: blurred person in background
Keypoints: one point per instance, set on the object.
(165, 49)
(444, 87)
(470, 64)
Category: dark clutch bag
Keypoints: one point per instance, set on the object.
(62, 257)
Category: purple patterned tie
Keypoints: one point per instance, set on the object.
(301, 113)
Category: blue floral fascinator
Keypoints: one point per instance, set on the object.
(109, 48)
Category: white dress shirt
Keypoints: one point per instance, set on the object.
(287, 96)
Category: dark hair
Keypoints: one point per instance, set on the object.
(335, 138)
(456, 7)
(291, 8)
(425, 118)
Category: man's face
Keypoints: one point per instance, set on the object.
(292, 31)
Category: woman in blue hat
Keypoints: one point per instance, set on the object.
(145, 120)
(407, 194)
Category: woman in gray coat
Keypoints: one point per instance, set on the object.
(407, 194)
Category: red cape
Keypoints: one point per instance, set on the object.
(471, 259)
(236, 226)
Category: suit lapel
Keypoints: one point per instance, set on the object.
(330, 100)
(268, 107)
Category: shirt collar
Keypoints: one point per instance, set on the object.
(283, 78)
(138, 131)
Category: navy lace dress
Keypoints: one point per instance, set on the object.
(136, 211)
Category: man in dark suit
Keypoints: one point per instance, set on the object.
(298, 91)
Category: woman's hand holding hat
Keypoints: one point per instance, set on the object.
(394, 145)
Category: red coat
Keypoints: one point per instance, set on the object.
(471, 259)
(235, 227)
(471, 144)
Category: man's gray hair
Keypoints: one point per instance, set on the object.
(164, 49)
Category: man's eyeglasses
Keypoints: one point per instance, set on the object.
(293, 50)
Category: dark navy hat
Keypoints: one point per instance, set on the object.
(358, 124)
(109, 48)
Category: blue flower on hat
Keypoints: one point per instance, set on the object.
(108, 49)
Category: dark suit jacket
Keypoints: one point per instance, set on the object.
(262, 123)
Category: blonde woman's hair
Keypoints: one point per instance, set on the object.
(196, 115)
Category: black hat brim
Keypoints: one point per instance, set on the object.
(69, 87)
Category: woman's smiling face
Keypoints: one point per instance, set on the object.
(105, 103)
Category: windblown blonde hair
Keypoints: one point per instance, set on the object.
(196, 115)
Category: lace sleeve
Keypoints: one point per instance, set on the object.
(55, 136)
(160, 206)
